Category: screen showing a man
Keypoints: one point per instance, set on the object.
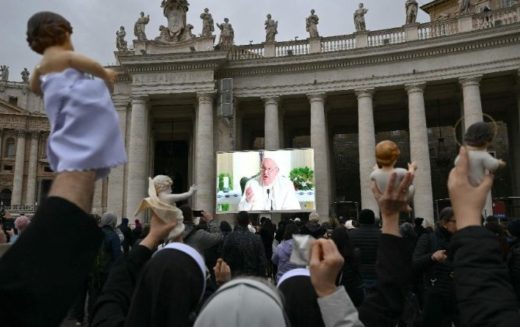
(270, 190)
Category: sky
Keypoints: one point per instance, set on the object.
(95, 22)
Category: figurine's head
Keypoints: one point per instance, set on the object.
(122, 28)
(46, 29)
(479, 134)
(206, 10)
(312, 11)
(142, 13)
(226, 20)
(387, 153)
(360, 5)
(268, 16)
(162, 183)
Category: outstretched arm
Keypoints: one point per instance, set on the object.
(180, 196)
(383, 307)
(480, 274)
(34, 82)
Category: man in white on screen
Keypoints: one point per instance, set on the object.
(269, 191)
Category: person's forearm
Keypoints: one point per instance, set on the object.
(76, 187)
(391, 224)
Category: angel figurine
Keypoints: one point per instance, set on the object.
(387, 153)
(477, 139)
(162, 202)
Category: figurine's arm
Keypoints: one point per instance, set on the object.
(180, 196)
(35, 82)
(87, 65)
(412, 167)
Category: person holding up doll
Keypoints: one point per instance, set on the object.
(85, 133)
(477, 139)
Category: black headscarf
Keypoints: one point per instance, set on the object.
(301, 300)
(169, 289)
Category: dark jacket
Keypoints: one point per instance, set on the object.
(42, 274)
(484, 294)
(111, 247)
(365, 240)
(514, 266)
(244, 253)
(437, 277)
(384, 304)
(129, 237)
(112, 306)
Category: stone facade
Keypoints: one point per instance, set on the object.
(339, 95)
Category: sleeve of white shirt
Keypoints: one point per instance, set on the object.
(290, 201)
(337, 310)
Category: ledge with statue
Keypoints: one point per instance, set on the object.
(177, 36)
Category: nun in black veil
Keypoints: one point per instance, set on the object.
(162, 291)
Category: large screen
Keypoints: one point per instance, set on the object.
(281, 180)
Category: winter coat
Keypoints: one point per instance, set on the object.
(514, 266)
(281, 258)
(437, 277)
(244, 253)
(365, 240)
(485, 296)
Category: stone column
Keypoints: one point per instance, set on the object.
(30, 197)
(420, 153)
(18, 169)
(472, 102)
(271, 124)
(204, 198)
(319, 142)
(473, 114)
(137, 177)
(367, 147)
(116, 179)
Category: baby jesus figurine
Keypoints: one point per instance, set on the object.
(162, 202)
(387, 153)
(477, 139)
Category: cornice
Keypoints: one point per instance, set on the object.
(457, 43)
(209, 60)
(383, 81)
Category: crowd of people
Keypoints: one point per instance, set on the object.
(375, 272)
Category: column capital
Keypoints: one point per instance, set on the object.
(205, 97)
(34, 134)
(415, 87)
(20, 133)
(470, 80)
(364, 93)
(139, 99)
(316, 97)
(271, 100)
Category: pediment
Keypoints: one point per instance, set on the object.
(7, 108)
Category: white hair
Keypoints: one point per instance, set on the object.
(162, 183)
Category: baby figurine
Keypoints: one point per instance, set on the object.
(477, 139)
(387, 153)
(85, 133)
(162, 202)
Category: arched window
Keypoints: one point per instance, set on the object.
(5, 197)
(10, 150)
